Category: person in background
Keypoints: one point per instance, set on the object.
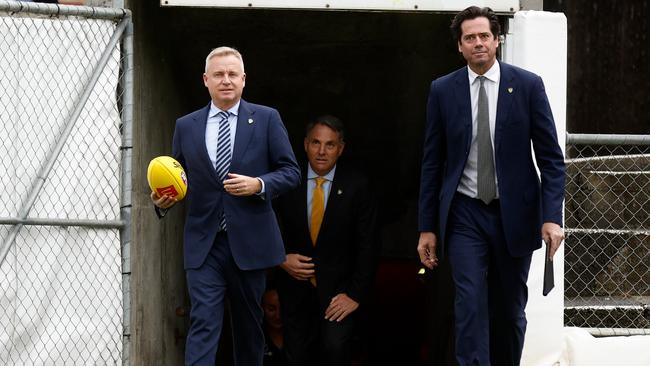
(330, 235)
(274, 348)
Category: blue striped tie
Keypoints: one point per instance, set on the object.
(223, 155)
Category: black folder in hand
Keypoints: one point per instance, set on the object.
(549, 280)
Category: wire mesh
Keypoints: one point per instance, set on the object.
(60, 286)
(607, 259)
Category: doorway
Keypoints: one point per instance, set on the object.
(372, 70)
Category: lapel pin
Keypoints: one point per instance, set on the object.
(250, 121)
(339, 192)
(510, 90)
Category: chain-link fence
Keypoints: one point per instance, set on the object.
(64, 207)
(607, 261)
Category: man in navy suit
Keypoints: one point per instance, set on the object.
(329, 269)
(237, 158)
(482, 204)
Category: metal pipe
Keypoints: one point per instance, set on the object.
(37, 185)
(63, 10)
(600, 159)
(126, 188)
(598, 139)
(617, 332)
(608, 231)
(102, 224)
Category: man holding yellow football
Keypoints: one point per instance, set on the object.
(237, 158)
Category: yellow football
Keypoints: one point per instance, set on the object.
(167, 177)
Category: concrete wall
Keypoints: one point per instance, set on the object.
(158, 286)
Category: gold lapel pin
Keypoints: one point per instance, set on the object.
(250, 121)
(510, 90)
(339, 192)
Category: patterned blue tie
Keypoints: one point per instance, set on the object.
(223, 155)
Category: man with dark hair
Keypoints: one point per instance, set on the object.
(481, 200)
(474, 12)
(330, 236)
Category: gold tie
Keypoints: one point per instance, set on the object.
(317, 211)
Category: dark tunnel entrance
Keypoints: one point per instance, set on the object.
(372, 70)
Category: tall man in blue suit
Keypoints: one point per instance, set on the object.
(237, 158)
(481, 201)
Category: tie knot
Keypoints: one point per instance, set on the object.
(223, 115)
(319, 181)
(481, 79)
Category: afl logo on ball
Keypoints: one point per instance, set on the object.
(183, 177)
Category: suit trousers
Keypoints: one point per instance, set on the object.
(491, 290)
(310, 339)
(217, 278)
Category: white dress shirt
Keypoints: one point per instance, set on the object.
(468, 181)
(212, 130)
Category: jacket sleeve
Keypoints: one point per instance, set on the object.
(548, 154)
(285, 173)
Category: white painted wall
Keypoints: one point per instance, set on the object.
(537, 41)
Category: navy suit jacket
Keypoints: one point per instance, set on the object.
(523, 116)
(262, 149)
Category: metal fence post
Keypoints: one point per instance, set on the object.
(126, 204)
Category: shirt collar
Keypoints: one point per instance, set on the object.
(311, 174)
(493, 74)
(214, 110)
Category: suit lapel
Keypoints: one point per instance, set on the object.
(198, 132)
(245, 128)
(507, 90)
(463, 97)
(333, 200)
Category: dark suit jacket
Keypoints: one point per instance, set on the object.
(346, 247)
(262, 149)
(523, 116)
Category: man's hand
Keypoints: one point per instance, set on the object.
(241, 185)
(163, 202)
(427, 249)
(552, 234)
(298, 266)
(340, 307)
